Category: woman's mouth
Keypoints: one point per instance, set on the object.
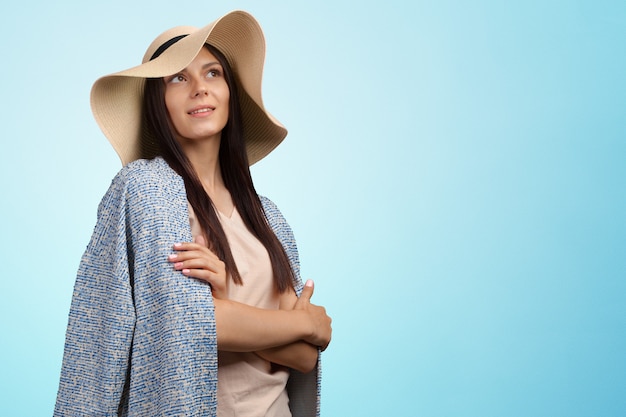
(201, 110)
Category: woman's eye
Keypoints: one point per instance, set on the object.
(213, 73)
(177, 79)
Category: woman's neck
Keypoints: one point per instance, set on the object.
(204, 158)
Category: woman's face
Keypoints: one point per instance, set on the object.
(197, 99)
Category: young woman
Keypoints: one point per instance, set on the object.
(188, 299)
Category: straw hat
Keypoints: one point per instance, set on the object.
(117, 99)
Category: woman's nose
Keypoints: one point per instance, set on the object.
(200, 88)
(201, 91)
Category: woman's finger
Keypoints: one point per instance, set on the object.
(212, 265)
(186, 255)
(202, 274)
(186, 246)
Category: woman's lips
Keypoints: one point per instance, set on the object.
(201, 110)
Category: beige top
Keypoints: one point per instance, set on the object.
(248, 385)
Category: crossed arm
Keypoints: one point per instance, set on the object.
(289, 336)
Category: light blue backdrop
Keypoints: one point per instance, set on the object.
(454, 173)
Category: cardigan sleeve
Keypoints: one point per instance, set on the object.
(304, 389)
(141, 337)
(285, 235)
(101, 318)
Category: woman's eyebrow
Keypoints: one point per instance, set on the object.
(204, 66)
(210, 64)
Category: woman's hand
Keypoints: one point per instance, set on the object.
(299, 355)
(243, 328)
(195, 260)
(320, 323)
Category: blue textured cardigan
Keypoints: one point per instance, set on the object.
(141, 336)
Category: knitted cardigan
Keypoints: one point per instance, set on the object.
(141, 338)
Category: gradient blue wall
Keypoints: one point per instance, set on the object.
(454, 173)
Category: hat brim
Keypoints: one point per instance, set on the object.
(117, 99)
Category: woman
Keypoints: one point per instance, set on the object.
(186, 259)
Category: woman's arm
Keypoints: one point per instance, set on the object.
(243, 328)
(300, 355)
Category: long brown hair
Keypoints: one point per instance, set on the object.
(235, 171)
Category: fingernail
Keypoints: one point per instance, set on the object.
(178, 245)
(172, 257)
(308, 283)
(178, 265)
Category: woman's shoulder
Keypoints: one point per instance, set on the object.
(145, 184)
(146, 172)
(273, 215)
(267, 203)
(145, 179)
(270, 208)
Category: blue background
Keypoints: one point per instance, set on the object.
(454, 173)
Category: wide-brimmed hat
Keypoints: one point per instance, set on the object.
(117, 99)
